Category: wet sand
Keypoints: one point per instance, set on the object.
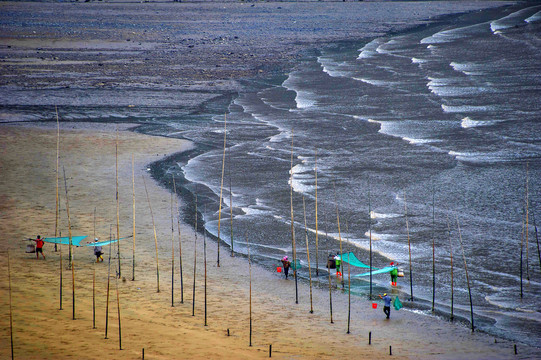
(42, 331)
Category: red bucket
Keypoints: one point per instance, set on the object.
(374, 305)
(279, 269)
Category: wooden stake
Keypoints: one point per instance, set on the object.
(133, 216)
(172, 255)
(179, 245)
(250, 276)
(221, 188)
(155, 237)
(370, 236)
(317, 232)
(10, 309)
(205, 266)
(339, 236)
(68, 212)
(467, 277)
(329, 269)
(521, 254)
(60, 273)
(409, 246)
(108, 285)
(536, 239)
(308, 254)
(70, 242)
(433, 252)
(452, 270)
(349, 282)
(119, 325)
(57, 175)
(194, 259)
(527, 225)
(231, 206)
(293, 248)
(94, 298)
(117, 204)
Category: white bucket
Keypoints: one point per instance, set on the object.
(30, 248)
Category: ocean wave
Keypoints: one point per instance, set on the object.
(333, 69)
(370, 49)
(467, 108)
(515, 19)
(468, 122)
(446, 36)
(535, 17)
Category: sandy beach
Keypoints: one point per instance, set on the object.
(64, 54)
(42, 331)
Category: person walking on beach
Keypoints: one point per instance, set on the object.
(387, 305)
(39, 247)
(286, 263)
(394, 274)
(98, 251)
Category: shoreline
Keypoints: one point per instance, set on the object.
(148, 320)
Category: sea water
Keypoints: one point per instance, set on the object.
(423, 140)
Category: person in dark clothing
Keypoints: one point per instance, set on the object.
(287, 264)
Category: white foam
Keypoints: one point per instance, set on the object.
(467, 108)
(468, 122)
(418, 61)
(511, 20)
(535, 17)
(374, 82)
(332, 68)
(375, 215)
(370, 49)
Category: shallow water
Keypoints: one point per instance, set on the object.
(443, 120)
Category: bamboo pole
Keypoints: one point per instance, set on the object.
(339, 237)
(349, 281)
(467, 276)
(119, 324)
(57, 175)
(194, 258)
(108, 285)
(293, 248)
(250, 276)
(179, 245)
(221, 188)
(60, 273)
(10, 309)
(70, 243)
(117, 205)
(527, 224)
(133, 216)
(231, 205)
(155, 237)
(409, 246)
(308, 254)
(68, 212)
(317, 232)
(94, 297)
(452, 271)
(370, 236)
(205, 267)
(536, 239)
(433, 251)
(521, 254)
(329, 273)
(172, 255)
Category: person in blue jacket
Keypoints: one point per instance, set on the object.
(387, 305)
